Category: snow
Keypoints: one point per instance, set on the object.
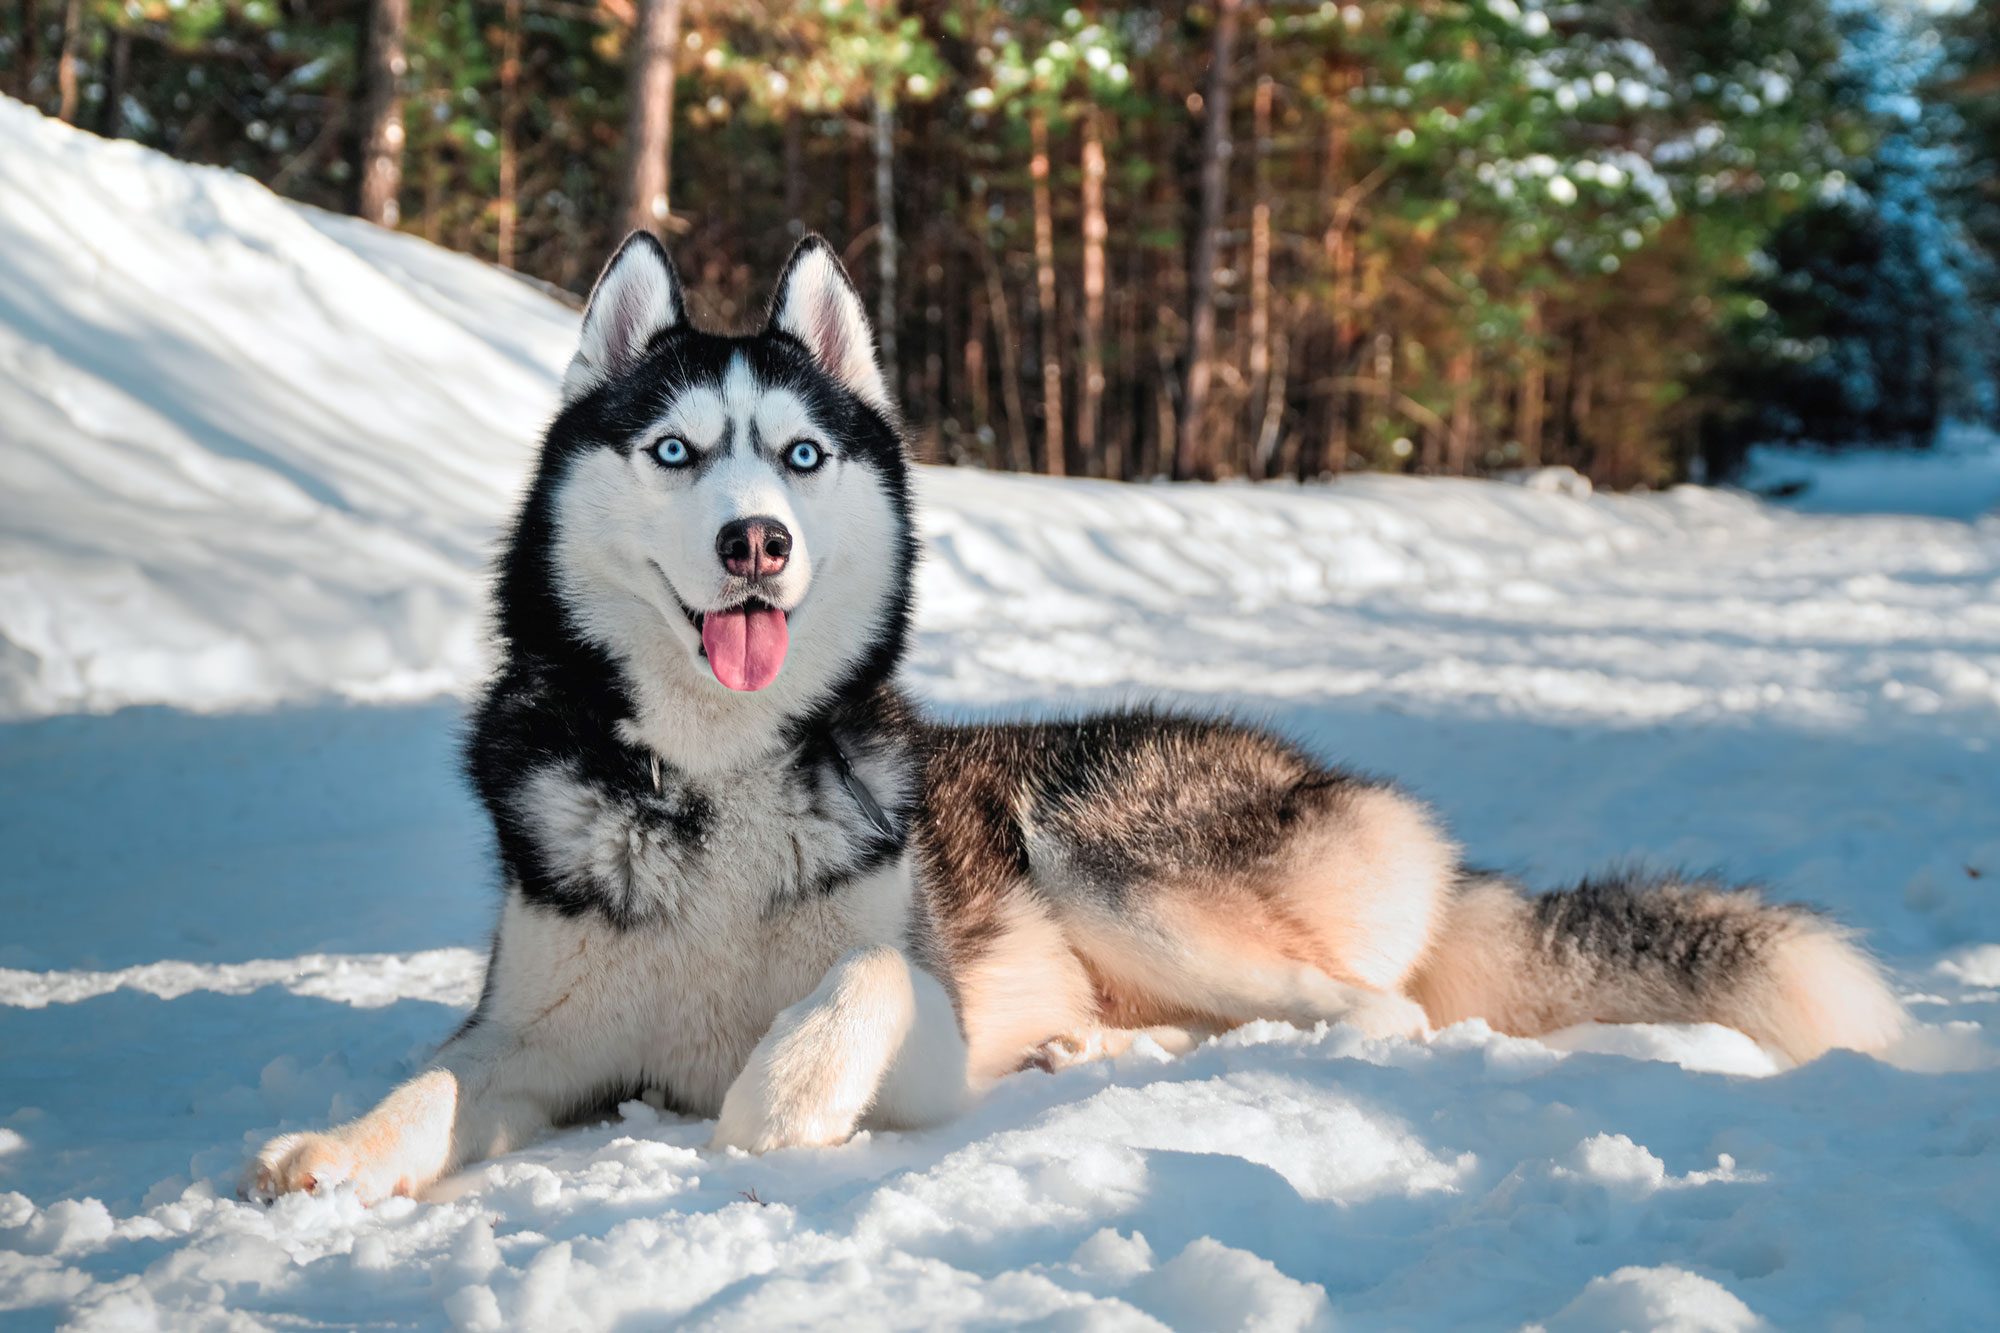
(174, 529)
(1672, 1300)
(254, 457)
(1958, 478)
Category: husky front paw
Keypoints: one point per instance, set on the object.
(756, 1124)
(315, 1164)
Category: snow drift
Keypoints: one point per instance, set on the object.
(252, 450)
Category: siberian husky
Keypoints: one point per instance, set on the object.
(743, 873)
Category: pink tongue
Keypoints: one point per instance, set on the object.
(745, 648)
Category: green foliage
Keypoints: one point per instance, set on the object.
(820, 58)
(1868, 315)
(1972, 89)
(1051, 56)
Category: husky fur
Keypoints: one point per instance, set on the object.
(804, 909)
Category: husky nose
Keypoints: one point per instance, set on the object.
(754, 548)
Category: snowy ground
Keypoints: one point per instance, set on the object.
(1960, 478)
(252, 457)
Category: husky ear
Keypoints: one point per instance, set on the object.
(636, 297)
(818, 305)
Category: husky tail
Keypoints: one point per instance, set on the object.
(1643, 948)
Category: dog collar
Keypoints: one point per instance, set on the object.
(871, 809)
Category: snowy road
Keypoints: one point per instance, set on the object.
(1829, 724)
(254, 899)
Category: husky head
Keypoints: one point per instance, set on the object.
(726, 519)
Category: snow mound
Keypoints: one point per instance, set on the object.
(253, 451)
(1666, 1300)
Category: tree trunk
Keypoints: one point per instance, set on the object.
(1129, 417)
(381, 167)
(507, 207)
(113, 120)
(1458, 442)
(1010, 367)
(1534, 387)
(1200, 367)
(885, 237)
(795, 173)
(431, 222)
(1338, 244)
(70, 63)
(30, 51)
(1269, 433)
(1095, 232)
(1384, 373)
(1581, 394)
(939, 295)
(1164, 284)
(1053, 457)
(1555, 430)
(1259, 366)
(649, 121)
(977, 375)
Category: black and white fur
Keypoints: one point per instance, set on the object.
(805, 909)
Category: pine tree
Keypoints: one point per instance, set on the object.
(1866, 321)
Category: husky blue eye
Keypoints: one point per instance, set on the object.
(804, 456)
(673, 452)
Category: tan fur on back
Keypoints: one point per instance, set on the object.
(1370, 887)
(1345, 914)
